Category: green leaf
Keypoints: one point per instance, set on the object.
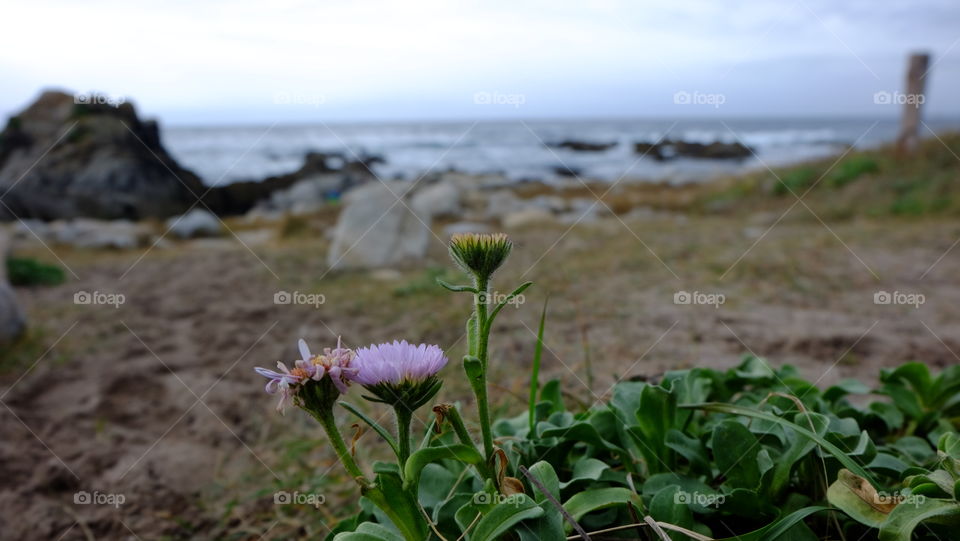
(474, 370)
(372, 424)
(599, 498)
(735, 449)
(493, 315)
(369, 531)
(841, 494)
(667, 507)
(419, 460)
(799, 447)
(777, 528)
(535, 370)
(457, 289)
(504, 516)
(552, 394)
(906, 516)
(586, 469)
(837, 453)
(550, 525)
(397, 503)
(689, 448)
(581, 431)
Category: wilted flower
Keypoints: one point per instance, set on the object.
(480, 253)
(306, 380)
(286, 381)
(399, 373)
(333, 362)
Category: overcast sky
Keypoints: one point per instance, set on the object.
(252, 61)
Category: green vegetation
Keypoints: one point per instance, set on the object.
(30, 272)
(877, 182)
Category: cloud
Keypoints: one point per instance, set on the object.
(382, 59)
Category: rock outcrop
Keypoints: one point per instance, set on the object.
(61, 159)
(717, 150)
(584, 146)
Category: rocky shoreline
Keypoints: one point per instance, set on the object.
(95, 176)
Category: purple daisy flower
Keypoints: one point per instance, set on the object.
(397, 362)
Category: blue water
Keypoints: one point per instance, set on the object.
(222, 154)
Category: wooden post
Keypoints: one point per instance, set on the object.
(913, 100)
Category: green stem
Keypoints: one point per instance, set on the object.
(329, 424)
(453, 414)
(404, 416)
(483, 406)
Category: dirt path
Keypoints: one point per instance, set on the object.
(155, 401)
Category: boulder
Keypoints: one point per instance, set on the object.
(12, 320)
(527, 217)
(584, 146)
(375, 230)
(438, 199)
(63, 159)
(460, 228)
(716, 150)
(196, 223)
(87, 233)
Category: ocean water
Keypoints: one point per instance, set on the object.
(517, 149)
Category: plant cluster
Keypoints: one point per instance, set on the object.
(751, 453)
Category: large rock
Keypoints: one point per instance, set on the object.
(375, 230)
(87, 233)
(12, 320)
(61, 159)
(527, 217)
(439, 199)
(196, 223)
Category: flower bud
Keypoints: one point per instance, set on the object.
(480, 253)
